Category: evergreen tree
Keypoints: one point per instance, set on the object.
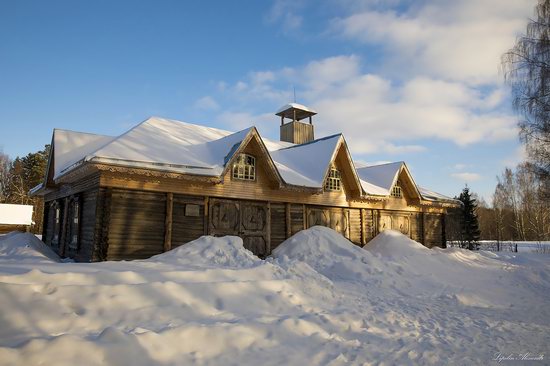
(469, 223)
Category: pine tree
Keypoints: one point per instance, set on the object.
(469, 223)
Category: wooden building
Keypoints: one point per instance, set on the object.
(15, 217)
(164, 183)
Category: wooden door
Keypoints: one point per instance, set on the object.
(248, 220)
(224, 217)
(254, 227)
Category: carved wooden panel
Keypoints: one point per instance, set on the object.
(224, 217)
(247, 219)
(253, 217)
(335, 219)
(401, 223)
(317, 216)
(395, 221)
(338, 221)
(385, 222)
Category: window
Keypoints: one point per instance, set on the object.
(245, 167)
(74, 224)
(396, 190)
(334, 180)
(56, 223)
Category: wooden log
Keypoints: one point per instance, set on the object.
(268, 229)
(63, 236)
(363, 228)
(168, 225)
(287, 221)
(206, 213)
(304, 216)
(348, 226)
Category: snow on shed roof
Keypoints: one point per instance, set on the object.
(15, 214)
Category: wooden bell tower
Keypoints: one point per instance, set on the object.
(295, 131)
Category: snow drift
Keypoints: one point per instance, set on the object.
(24, 248)
(210, 251)
(319, 300)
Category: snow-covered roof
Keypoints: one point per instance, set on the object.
(379, 179)
(430, 195)
(306, 164)
(15, 214)
(175, 146)
(296, 106)
(71, 146)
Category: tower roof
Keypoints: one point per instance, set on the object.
(287, 111)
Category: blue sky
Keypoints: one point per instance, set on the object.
(403, 80)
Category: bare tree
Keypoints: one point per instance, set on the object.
(4, 176)
(527, 69)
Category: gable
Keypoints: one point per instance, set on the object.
(407, 184)
(306, 165)
(253, 145)
(342, 161)
(69, 148)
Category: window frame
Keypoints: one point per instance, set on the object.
(244, 168)
(397, 190)
(75, 223)
(333, 182)
(56, 237)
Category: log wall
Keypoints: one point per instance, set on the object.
(136, 224)
(278, 224)
(188, 222)
(84, 250)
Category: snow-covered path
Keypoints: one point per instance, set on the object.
(319, 300)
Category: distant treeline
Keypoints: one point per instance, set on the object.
(519, 211)
(18, 176)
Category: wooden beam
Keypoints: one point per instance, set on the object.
(168, 222)
(268, 229)
(304, 219)
(348, 229)
(287, 221)
(363, 227)
(206, 213)
(63, 234)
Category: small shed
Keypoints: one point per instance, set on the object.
(15, 217)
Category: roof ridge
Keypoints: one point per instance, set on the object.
(84, 133)
(311, 142)
(115, 138)
(372, 166)
(171, 120)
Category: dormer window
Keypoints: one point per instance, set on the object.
(396, 191)
(244, 167)
(334, 180)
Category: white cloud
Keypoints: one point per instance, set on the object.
(460, 166)
(378, 115)
(453, 40)
(207, 103)
(466, 176)
(283, 13)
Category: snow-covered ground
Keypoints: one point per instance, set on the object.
(319, 300)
